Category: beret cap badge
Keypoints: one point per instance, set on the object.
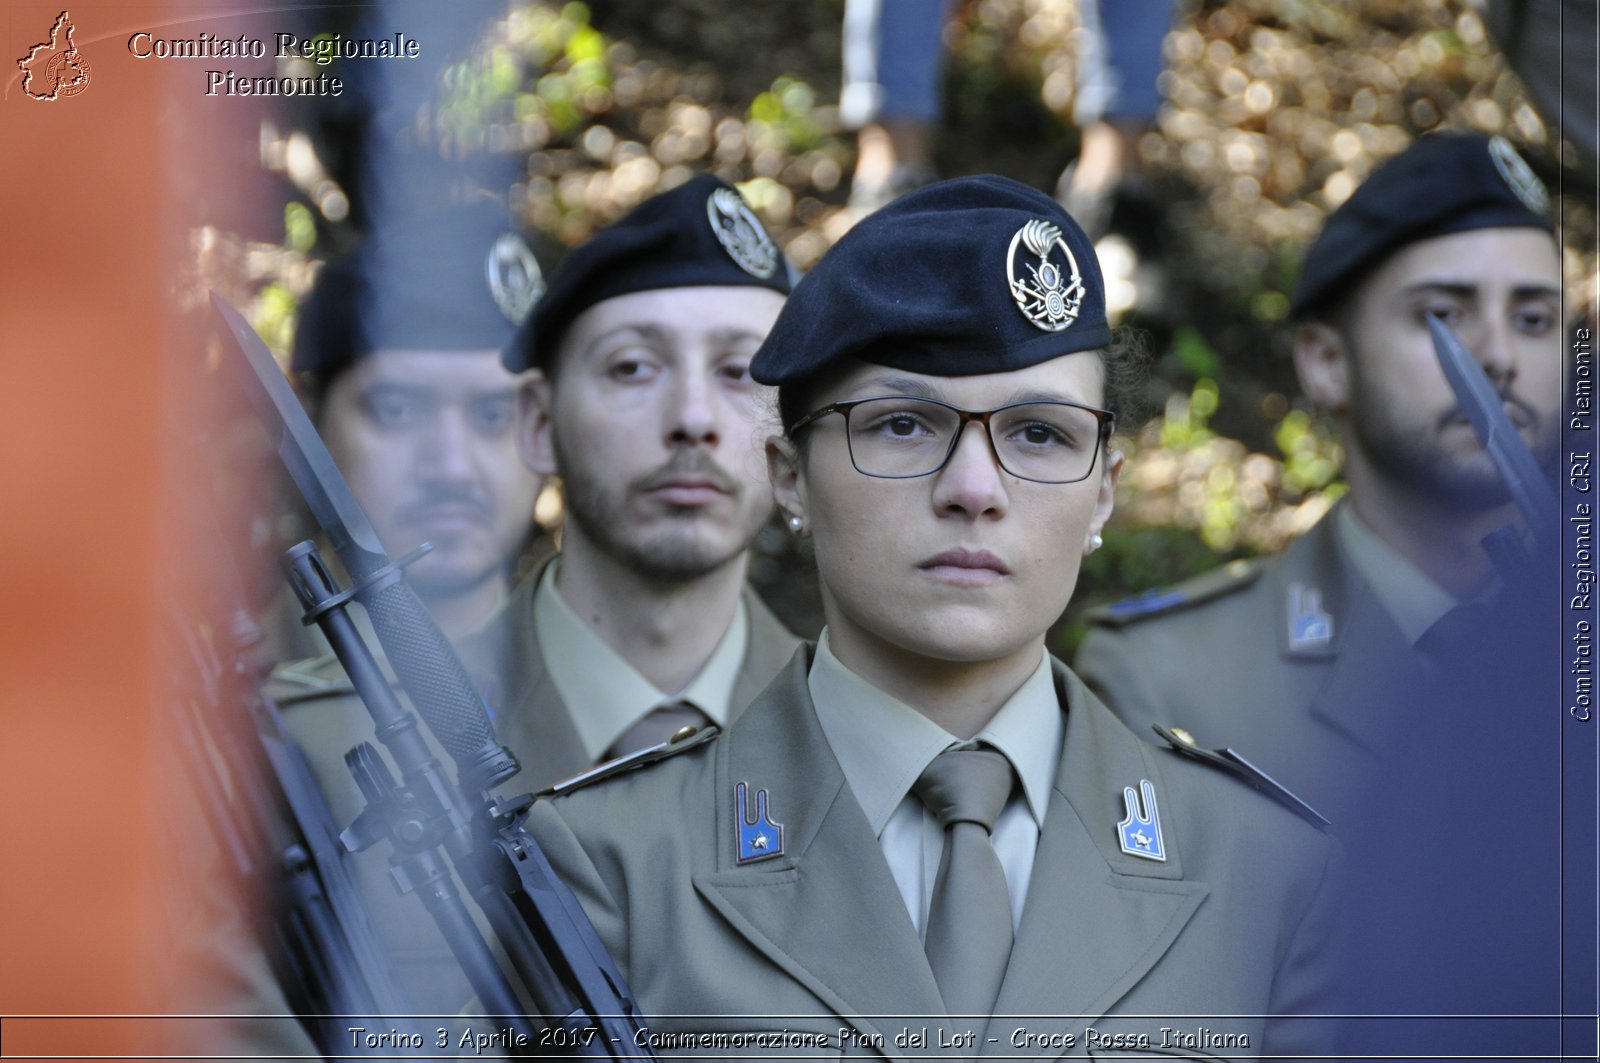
(1048, 296)
(1518, 175)
(741, 234)
(515, 280)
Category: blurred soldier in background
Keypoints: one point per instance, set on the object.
(1457, 226)
(397, 354)
(1383, 666)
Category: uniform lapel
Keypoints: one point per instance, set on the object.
(1363, 696)
(826, 910)
(769, 649)
(1368, 660)
(1096, 919)
(1309, 579)
(1310, 566)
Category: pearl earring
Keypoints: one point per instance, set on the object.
(795, 524)
(1095, 542)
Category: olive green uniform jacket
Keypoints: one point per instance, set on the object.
(818, 938)
(324, 716)
(1217, 657)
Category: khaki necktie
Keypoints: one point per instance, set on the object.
(968, 939)
(655, 727)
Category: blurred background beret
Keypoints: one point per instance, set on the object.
(700, 234)
(462, 278)
(1443, 183)
(974, 275)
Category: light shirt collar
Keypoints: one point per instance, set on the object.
(883, 745)
(500, 600)
(1414, 601)
(607, 695)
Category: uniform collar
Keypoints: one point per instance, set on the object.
(1405, 592)
(607, 693)
(883, 745)
(501, 600)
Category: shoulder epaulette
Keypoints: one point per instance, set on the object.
(314, 677)
(1235, 764)
(1225, 579)
(686, 739)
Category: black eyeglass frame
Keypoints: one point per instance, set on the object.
(1107, 419)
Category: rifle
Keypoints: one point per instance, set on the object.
(265, 811)
(434, 825)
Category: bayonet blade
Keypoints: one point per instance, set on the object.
(427, 667)
(1485, 411)
(304, 454)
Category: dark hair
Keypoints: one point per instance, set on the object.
(1127, 369)
(796, 400)
(1126, 363)
(313, 386)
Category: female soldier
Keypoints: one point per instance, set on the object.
(926, 820)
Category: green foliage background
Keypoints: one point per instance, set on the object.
(1275, 110)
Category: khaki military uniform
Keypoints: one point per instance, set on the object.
(325, 718)
(506, 661)
(816, 940)
(1293, 662)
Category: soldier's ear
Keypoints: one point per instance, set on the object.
(788, 478)
(1322, 362)
(534, 443)
(1103, 503)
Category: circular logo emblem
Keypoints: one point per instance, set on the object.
(67, 74)
(740, 233)
(1519, 176)
(515, 279)
(1048, 288)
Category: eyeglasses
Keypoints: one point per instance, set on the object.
(897, 437)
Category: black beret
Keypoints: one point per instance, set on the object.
(975, 275)
(455, 279)
(1443, 183)
(699, 234)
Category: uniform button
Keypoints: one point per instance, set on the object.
(1183, 736)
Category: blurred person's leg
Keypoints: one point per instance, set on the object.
(893, 74)
(1554, 46)
(1120, 57)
